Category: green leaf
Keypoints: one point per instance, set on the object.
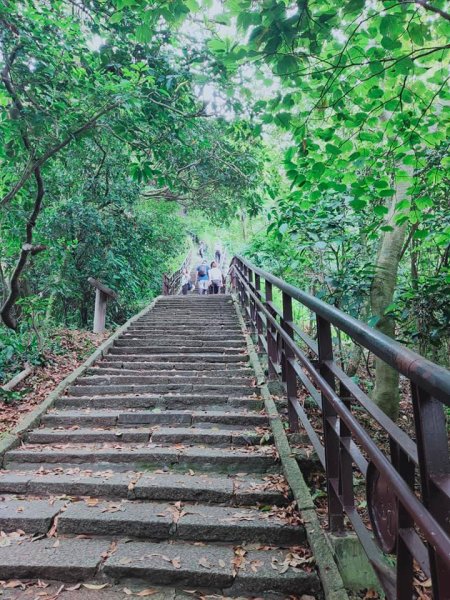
(116, 17)
(332, 149)
(318, 169)
(284, 119)
(354, 6)
(421, 234)
(380, 211)
(358, 204)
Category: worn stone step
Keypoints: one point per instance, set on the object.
(186, 487)
(30, 516)
(179, 342)
(166, 402)
(176, 350)
(194, 522)
(68, 560)
(242, 419)
(102, 369)
(177, 333)
(186, 330)
(111, 418)
(124, 459)
(226, 368)
(178, 358)
(210, 437)
(165, 378)
(87, 435)
(176, 388)
(210, 566)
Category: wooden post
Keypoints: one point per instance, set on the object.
(102, 293)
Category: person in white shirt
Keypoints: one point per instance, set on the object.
(215, 277)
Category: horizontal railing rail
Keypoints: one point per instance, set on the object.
(407, 480)
(172, 283)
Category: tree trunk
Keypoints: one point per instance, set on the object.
(386, 391)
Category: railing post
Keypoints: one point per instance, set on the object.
(272, 354)
(434, 467)
(251, 303)
(331, 438)
(288, 355)
(259, 322)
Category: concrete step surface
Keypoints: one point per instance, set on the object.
(163, 441)
(189, 486)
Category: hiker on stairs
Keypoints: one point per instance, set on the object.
(202, 277)
(215, 278)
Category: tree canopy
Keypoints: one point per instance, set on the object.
(318, 130)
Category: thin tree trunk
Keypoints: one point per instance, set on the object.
(386, 391)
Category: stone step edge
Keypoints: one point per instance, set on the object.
(100, 560)
(185, 487)
(32, 419)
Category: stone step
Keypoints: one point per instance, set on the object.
(202, 359)
(181, 342)
(112, 418)
(176, 388)
(196, 334)
(69, 560)
(161, 435)
(210, 437)
(211, 566)
(200, 323)
(45, 435)
(30, 516)
(165, 378)
(166, 402)
(179, 330)
(235, 490)
(103, 369)
(189, 522)
(126, 458)
(175, 351)
(223, 368)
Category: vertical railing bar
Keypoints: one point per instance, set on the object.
(289, 374)
(331, 440)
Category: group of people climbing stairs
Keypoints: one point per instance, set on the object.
(152, 466)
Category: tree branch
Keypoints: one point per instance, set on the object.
(435, 9)
(29, 170)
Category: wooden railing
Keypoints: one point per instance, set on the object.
(172, 283)
(407, 480)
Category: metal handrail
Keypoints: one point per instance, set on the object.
(399, 518)
(428, 375)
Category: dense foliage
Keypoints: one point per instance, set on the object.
(104, 145)
(362, 93)
(330, 119)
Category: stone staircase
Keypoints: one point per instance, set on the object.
(157, 465)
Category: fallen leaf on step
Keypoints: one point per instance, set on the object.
(176, 562)
(127, 591)
(94, 586)
(204, 562)
(56, 544)
(222, 563)
(73, 588)
(125, 561)
(92, 501)
(147, 592)
(15, 583)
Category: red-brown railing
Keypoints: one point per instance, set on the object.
(407, 487)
